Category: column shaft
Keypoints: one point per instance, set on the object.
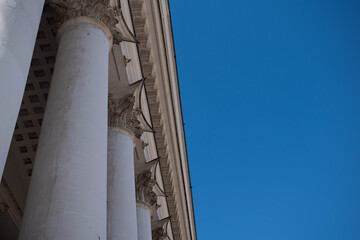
(19, 23)
(143, 213)
(121, 186)
(67, 194)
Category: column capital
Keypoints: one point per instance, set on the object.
(99, 10)
(159, 234)
(123, 114)
(144, 188)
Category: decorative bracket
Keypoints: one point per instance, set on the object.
(160, 227)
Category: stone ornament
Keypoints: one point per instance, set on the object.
(98, 9)
(144, 188)
(122, 113)
(159, 234)
(3, 208)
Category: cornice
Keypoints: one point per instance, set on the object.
(141, 32)
(173, 160)
(164, 18)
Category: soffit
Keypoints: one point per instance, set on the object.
(157, 88)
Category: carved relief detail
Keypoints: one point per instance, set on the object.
(159, 234)
(122, 113)
(98, 9)
(3, 208)
(144, 188)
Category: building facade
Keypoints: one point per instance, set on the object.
(92, 143)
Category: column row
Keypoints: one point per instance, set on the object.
(83, 181)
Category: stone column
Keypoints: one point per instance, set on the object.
(19, 23)
(143, 213)
(123, 128)
(67, 193)
(145, 199)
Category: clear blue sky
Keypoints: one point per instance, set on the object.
(271, 101)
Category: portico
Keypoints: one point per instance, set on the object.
(91, 122)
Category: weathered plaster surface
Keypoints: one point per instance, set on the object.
(67, 194)
(121, 217)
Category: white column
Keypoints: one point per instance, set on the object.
(143, 213)
(19, 23)
(121, 218)
(123, 129)
(67, 194)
